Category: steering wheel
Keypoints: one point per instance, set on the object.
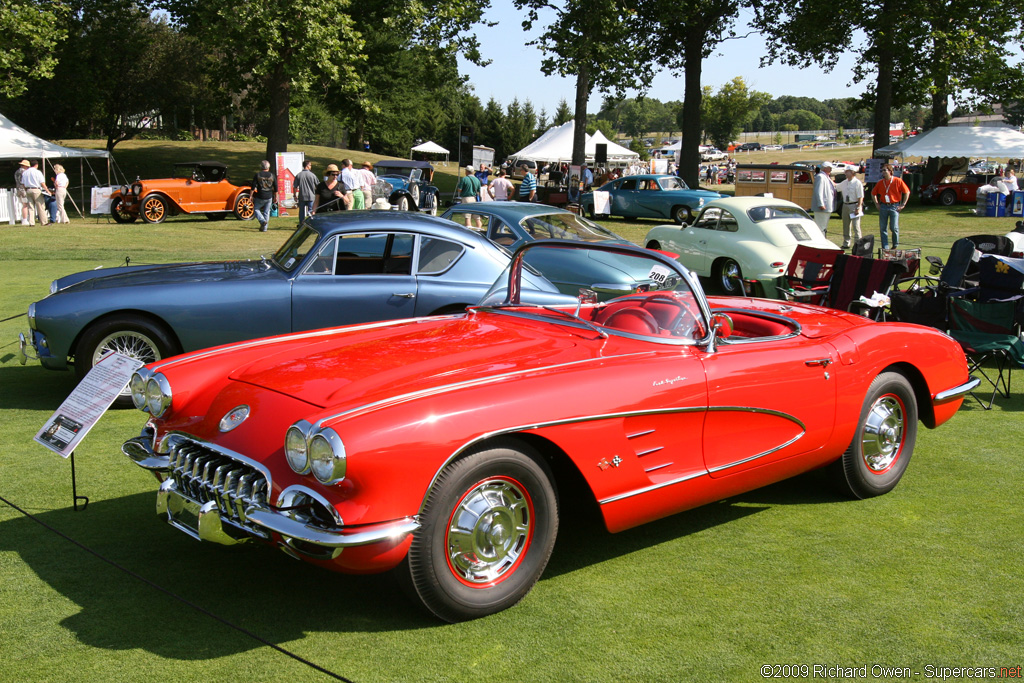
(675, 326)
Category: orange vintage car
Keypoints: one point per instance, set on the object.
(196, 187)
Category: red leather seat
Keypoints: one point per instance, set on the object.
(635, 320)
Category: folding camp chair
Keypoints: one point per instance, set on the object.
(855, 277)
(910, 258)
(950, 274)
(986, 244)
(1000, 278)
(989, 337)
(864, 246)
(808, 274)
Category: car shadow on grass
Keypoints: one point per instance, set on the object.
(33, 387)
(251, 585)
(265, 591)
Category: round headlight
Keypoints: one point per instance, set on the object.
(327, 457)
(295, 450)
(158, 395)
(124, 189)
(138, 388)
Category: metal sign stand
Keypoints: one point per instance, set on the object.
(74, 488)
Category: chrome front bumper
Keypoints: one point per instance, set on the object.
(229, 517)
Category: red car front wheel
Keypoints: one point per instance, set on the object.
(489, 526)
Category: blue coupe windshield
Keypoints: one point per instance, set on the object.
(294, 250)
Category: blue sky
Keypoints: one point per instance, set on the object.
(515, 69)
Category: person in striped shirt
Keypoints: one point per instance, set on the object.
(528, 188)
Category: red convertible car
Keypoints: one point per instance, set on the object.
(436, 447)
(950, 191)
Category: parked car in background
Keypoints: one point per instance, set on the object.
(749, 147)
(771, 148)
(195, 187)
(411, 188)
(651, 196)
(743, 243)
(337, 269)
(957, 189)
(713, 154)
(518, 167)
(792, 145)
(437, 448)
(513, 224)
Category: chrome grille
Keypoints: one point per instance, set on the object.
(205, 475)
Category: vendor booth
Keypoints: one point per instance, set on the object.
(16, 144)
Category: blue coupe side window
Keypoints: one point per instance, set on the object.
(437, 255)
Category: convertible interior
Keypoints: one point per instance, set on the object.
(668, 316)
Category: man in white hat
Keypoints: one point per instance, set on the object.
(824, 197)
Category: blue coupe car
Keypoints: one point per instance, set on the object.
(513, 224)
(650, 196)
(345, 268)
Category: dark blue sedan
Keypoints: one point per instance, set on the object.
(649, 196)
(334, 270)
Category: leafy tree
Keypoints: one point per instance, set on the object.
(604, 126)
(589, 40)
(636, 116)
(802, 119)
(276, 48)
(891, 29)
(562, 113)
(30, 30)
(681, 34)
(726, 111)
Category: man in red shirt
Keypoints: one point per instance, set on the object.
(890, 195)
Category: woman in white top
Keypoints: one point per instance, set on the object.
(60, 182)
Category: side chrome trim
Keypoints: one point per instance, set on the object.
(652, 487)
(434, 391)
(609, 416)
(956, 392)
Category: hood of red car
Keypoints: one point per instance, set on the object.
(355, 367)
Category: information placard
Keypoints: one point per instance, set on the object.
(85, 406)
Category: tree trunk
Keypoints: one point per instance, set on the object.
(940, 117)
(883, 87)
(223, 128)
(689, 153)
(280, 87)
(579, 139)
(358, 133)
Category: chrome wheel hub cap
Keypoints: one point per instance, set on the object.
(132, 344)
(489, 531)
(883, 434)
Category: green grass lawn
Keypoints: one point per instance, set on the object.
(792, 574)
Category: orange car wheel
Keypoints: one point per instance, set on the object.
(154, 209)
(244, 209)
(119, 213)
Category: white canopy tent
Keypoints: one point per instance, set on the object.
(430, 147)
(961, 141)
(555, 145)
(616, 152)
(16, 143)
